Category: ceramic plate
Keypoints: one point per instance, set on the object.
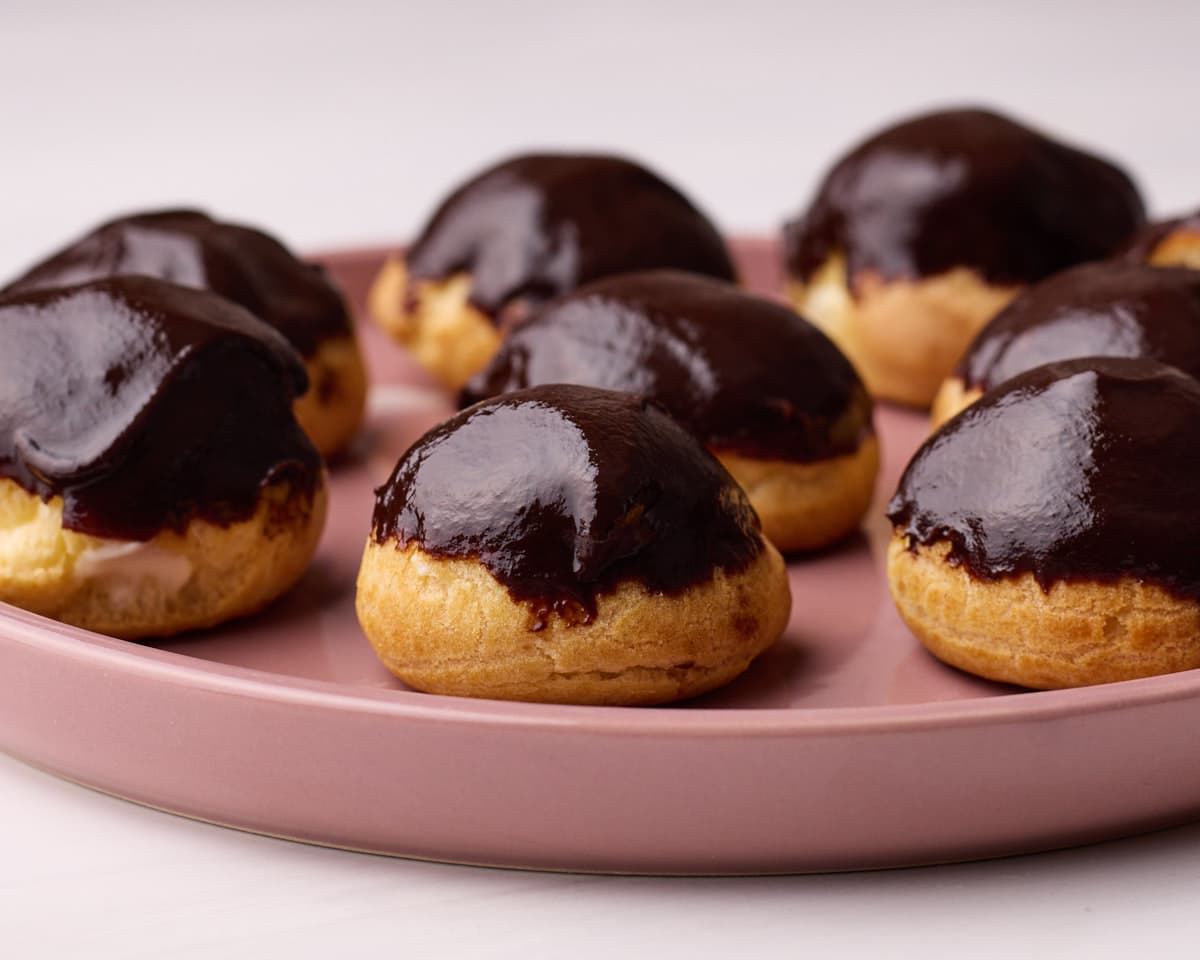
(845, 746)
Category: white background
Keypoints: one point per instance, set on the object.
(336, 123)
(342, 121)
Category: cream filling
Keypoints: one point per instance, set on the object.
(35, 548)
(134, 562)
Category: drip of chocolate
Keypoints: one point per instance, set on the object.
(1074, 471)
(964, 188)
(145, 405)
(565, 492)
(1141, 248)
(539, 225)
(1099, 309)
(187, 247)
(742, 373)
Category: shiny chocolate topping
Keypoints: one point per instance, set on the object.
(144, 405)
(539, 225)
(563, 493)
(190, 248)
(742, 373)
(1075, 471)
(964, 188)
(1106, 309)
(1141, 248)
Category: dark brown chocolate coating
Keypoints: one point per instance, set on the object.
(190, 248)
(565, 492)
(539, 225)
(1076, 471)
(145, 405)
(742, 373)
(964, 188)
(1143, 244)
(1107, 309)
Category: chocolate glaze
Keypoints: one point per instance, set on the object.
(190, 248)
(964, 188)
(1076, 471)
(1098, 309)
(539, 225)
(564, 492)
(1143, 244)
(144, 405)
(742, 373)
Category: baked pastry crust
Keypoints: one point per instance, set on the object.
(804, 506)
(952, 398)
(1072, 634)
(173, 582)
(448, 626)
(903, 336)
(332, 408)
(447, 335)
(1180, 248)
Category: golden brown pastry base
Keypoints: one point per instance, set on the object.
(903, 336)
(448, 337)
(804, 506)
(331, 410)
(1179, 249)
(165, 585)
(952, 398)
(1011, 630)
(449, 627)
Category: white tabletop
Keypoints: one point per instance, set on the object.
(86, 875)
(339, 123)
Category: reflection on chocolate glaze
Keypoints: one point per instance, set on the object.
(1141, 248)
(539, 225)
(744, 374)
(964, 188)
(1076, 471)
(1099, 309)
(144, 405)
(564, 492)
(190, 248)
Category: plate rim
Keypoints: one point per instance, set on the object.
(59, 639)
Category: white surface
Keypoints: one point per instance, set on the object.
(338, 122)
(341, 122)
(91, 876)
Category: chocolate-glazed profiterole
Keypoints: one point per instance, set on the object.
(1167, 243)
(253, 270)
(1046, 536)
(1106, 309)
(922, 233)
(525, 230)
(763, 389)
(152, 475)
(567, 544)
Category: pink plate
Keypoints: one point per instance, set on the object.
(843, 747)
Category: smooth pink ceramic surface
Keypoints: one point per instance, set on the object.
(845, 746)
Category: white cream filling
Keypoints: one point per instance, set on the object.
(132, 562)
